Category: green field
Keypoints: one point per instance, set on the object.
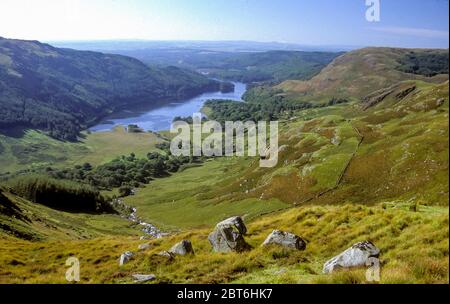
(34, 149)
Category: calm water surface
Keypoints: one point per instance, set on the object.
(160, 118)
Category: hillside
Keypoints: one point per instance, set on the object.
(248, 67)
(23, 219)
(374, 167)
(358, 73)
(62, 91)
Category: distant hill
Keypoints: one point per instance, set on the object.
(63, 90)
(246, 66)
(361, 72)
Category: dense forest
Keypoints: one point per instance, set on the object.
(62, 91)
(261, 103)
(427, 63)
(61, 195)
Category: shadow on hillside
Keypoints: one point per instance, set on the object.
(14, 132)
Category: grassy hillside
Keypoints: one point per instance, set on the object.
(21, 218)
(359, 73)
(34, 149)
(329, 156)
(373, 168)
(414, 249)
(62, 91)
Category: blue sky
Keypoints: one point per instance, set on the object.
(405, 23)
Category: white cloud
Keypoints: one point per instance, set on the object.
(408, 31)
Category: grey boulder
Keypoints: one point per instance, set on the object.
(182, 248)
(125, 258)
(285, 239)
(142, 278)
(356, 256)
(228, 236)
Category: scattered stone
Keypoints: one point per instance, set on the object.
(283, 148)
(440, 102)
(167, 254)
(144, 246)
(355, 256)
(228, 236)
(235, 221)
(125, 258)
(182, 248)
(142, 278)
(285, 239)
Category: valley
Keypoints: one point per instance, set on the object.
(363, 156)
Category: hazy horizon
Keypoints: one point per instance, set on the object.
(402, 23)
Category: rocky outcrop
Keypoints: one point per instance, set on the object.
(285, 239)
(125, 258)
(182, 248)
(355, 256)
(228, 236)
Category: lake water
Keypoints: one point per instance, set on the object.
(149, 117)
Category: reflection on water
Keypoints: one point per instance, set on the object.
(160, 118)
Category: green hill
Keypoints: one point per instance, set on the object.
(244, 66)
(359, 73)
(62, 91)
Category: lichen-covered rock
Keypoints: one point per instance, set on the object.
(125, 258)
(182, 248)
(285, 239)
(355, 256)
(228, 236)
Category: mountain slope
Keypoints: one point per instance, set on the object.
(359, 73)
(248, 67)
(63, 90)
(23, 219)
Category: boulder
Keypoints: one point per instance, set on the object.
(228, 236)
(142, 278)
(285, 239)
(182, 248)
(125, 258)
(144, 246)
(355, 256)
(169, 255)
(235, 222)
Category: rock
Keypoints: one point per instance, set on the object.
(167, 254)
(285, 239)
(440, 102)
(144, 246)
(235, 221)
(125, 258)
(142, 278)
(283, 148)
(228, 236)
(182, 248)
(355, 256)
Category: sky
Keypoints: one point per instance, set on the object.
(402, 23)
